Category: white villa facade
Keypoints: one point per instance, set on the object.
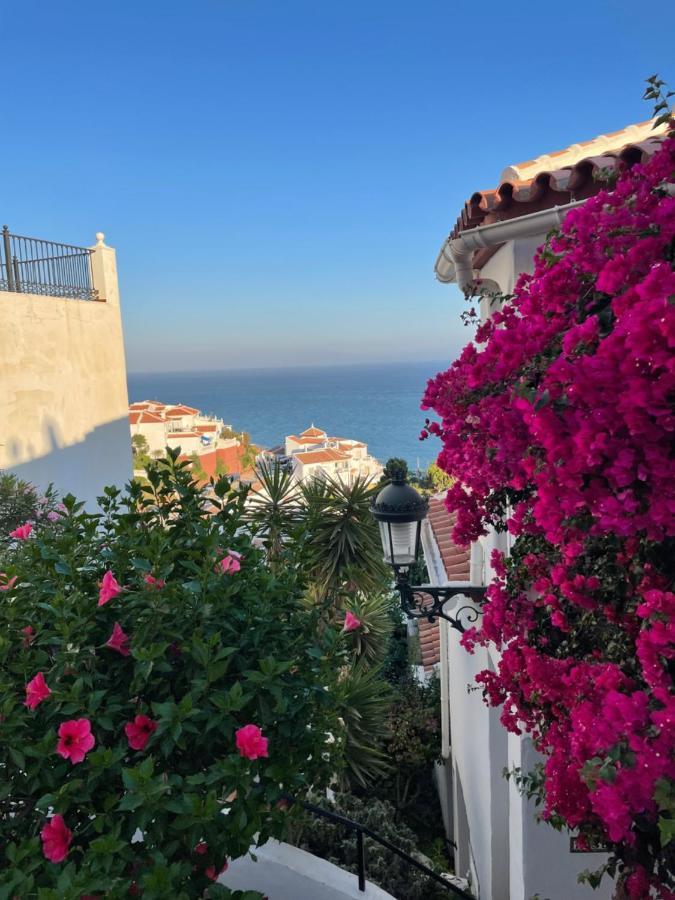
(164, 425)
(313, 454)
(501, 849)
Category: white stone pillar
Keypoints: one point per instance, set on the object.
(104, 271)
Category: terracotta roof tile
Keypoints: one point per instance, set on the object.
(456, 562)
(145, 418)
(559, 177)
(313, 432)
(318, 456)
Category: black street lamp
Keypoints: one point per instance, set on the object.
(400, 510)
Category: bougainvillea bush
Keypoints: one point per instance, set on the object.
(559, 422)
(161, 693)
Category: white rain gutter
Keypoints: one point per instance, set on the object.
(455, 261)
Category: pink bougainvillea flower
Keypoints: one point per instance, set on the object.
(118, 640)
(56, 838)
(211, 873)
(352, 622)
(201, 848)
(36, 691)
(6, 582)
(250, 742)
(23, 532)
(230, 563)
(28, 635)
(139, 732)
(75, 740)
(151, 581)
(109, 588)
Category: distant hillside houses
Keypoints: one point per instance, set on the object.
(204, 440)
(314, 454)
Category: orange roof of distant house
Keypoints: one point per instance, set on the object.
(181, 411)
(203, 429)
(144, 418)
(181, 434)
(230, 459)
(136, 406)
(310, 457)
(303, 439)
(312, 432)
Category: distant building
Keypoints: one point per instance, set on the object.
(313, 454)
(181, 426)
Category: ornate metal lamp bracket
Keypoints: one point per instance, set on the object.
(426, 601)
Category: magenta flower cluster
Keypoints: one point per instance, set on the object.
(559, 422)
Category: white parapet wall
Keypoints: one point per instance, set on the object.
(283, 872)
(63, 391)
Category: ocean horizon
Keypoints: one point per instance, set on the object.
(375, 403)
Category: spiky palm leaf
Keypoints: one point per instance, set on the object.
(273, 512)
(370, 642)
(363, 700)
(345, 545)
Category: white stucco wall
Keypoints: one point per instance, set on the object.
(63, 392)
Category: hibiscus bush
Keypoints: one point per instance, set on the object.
(161, 693)
(558, 423)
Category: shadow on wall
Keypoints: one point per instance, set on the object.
(84, 468)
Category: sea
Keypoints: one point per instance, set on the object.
(378, 404)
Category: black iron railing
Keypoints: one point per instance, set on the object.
(33, 266)
(361, 830)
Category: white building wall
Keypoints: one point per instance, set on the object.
(153, 432)
(63, 392)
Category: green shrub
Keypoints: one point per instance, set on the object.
(214, 643)
(21, 502)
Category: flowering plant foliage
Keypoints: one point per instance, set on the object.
(154, 705)
(558, 423)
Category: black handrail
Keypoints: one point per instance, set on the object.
(34, 266)
(360, 830)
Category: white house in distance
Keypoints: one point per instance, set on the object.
(313, 454)
(63, 388)
(163, 425)
(500, 847)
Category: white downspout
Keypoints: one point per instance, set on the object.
(455, 261)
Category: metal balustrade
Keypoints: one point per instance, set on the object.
(34, 266)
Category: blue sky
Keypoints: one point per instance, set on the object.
(277, 177)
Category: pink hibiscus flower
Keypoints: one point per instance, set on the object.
(6, 582)
(157, 583)
(250, 742)
(75, 740)
(109, 588)
(36, 691)
(352, 622)
(118, 640)
(28, 635)
(230, 563)
(22, 533)
(139, 732)
(56, 838)
(211, 873)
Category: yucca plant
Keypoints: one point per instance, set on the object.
(273, 513)
(344, 544)
(370, 641)
(363, 700)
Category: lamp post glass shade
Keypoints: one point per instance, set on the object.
(399, 511)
